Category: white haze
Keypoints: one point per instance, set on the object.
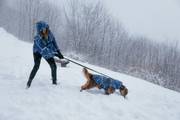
(156, 19)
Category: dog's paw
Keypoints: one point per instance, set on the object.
(106, 93)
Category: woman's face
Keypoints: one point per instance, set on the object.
(44, 33)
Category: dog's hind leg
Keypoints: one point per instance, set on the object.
(83, 87)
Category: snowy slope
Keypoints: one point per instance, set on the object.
(44, 101)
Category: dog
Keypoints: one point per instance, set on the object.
(101, 82)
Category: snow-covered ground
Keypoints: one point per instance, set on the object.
(44, 101)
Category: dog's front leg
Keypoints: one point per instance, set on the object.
(109, 91)
(98, 86)
(106, 92)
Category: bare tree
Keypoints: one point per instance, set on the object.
(87, 29)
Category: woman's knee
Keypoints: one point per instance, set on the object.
(53, 66)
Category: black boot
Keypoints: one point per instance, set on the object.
(54, 82)
(53, 70)
(29, 83)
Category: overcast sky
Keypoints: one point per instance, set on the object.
(156, 19)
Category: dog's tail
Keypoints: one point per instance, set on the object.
(85, 71)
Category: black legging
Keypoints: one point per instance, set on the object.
(37, 61)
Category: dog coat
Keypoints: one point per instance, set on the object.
(106, 82)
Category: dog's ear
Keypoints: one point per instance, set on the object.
(123, 91)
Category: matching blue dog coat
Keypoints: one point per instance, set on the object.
(106, 82)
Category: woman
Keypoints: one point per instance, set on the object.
(44, 46)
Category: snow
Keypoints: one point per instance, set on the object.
(44, 101)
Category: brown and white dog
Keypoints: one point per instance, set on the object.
(91, 83)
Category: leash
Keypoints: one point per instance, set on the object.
(87, 67)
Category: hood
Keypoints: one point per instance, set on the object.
(41, 25)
